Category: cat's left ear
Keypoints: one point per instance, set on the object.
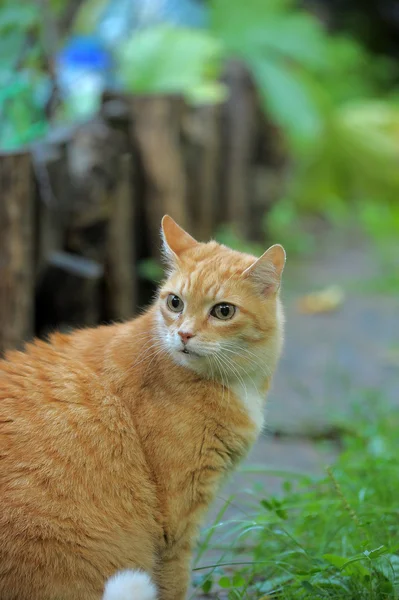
(175, 239)
(266, 271)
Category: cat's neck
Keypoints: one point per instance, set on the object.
(131, 352)
(134, 353)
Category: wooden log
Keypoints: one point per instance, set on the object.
(53, 200)
(238, 135)
(203, 157)
(156, 132)
(93, 159)
(16, 250)
(68, 293)
(121, 272)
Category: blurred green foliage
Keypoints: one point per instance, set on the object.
(332, 536)
(168, 60)
(23, 81)
(335, 104)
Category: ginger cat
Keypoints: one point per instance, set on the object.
(114, 440)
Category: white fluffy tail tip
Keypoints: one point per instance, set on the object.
(130, 585)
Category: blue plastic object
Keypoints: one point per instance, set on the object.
(85, 52)
(83, 71)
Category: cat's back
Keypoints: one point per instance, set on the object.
(44, 391)
(57, 412)
(70, 465)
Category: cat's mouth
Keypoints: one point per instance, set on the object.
(189, 352)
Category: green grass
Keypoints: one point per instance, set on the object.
(332, 537)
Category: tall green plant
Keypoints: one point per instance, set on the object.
(23, 83)
(166, 59)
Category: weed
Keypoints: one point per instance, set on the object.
(328, 537)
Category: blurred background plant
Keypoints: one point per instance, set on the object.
(331, 536)
(334, 102)
(23, 80)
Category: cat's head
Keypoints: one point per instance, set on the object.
(219, 311)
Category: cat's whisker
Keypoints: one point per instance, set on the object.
(226, 384)
(229, 363)
(146, 354)
(218, 368)
(208, 360)
(221, 382)
(257, 365)
(221, 370)
(153, 357)
(262, 366)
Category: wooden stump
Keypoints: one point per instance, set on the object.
(203, 163)
(238, 144)
(121, 273)
(103, 223)
(16, 250)
(156, 132)
(68, 293)
(53, 199)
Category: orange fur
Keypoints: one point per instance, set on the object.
(113, 442)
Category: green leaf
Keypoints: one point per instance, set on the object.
(275, 584)
(207, 93)
(286, 97)
(335, 560)
(11, 44)
(238, 580)
(350, 566)
(19, 15)
(207, 586)
(167, 59)
(236, 22)
(297, 37)
(274, 30)
(88, 15)
(287, 487)
(225, 582)
(377, 552)
(308, 586)
(280, 512)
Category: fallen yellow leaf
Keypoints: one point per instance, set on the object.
(326, 300)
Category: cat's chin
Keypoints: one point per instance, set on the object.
(191, 360)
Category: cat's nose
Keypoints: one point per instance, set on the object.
(185, 336)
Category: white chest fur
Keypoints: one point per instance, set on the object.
(253, 401)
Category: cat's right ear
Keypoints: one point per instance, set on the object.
(175, 239)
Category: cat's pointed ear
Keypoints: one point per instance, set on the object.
(175, 239)
(266, 271)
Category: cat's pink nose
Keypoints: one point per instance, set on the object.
(185, 336)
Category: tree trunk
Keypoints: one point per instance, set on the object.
(52, 207)
(69, 293)
(156, 132)
(16, 250)
(202, 129)
(121, 267)
(239, 138)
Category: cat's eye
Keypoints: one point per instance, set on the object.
(175, 304)
(223, 311)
